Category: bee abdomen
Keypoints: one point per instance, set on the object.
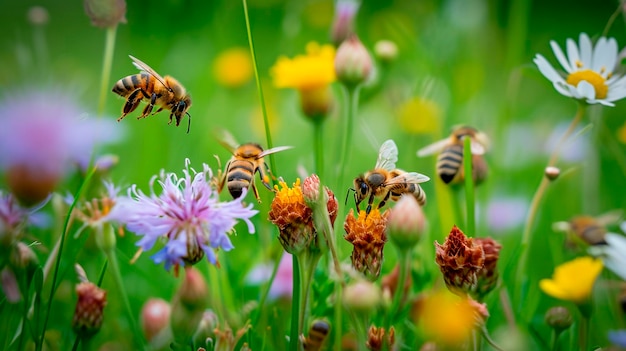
(449, 163)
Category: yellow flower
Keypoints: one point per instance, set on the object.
(306, 72)
(233, 67)
(420, 116)
(621, 133)
(573, 280)
(445, 317)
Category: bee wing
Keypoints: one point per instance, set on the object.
(142, 66)
(611, 217)
(274, 150)
(433, 148)
(226, 139)
(387, 156)
(408, 178)
(477, 148)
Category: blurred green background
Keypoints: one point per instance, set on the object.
(471, 59)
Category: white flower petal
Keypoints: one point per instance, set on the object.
(618, 242)
(599, 54)
(547, 70)
(586, 50)
(563, 89)
(602, 102)
(572, 54)
(560, 56)
(586, 90)
(610, 60)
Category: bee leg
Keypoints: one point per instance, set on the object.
(370, 201)
(150, 106)
(157, 111)
(256, 191)
(384, 201)
(171, 114)
(264, 178)
(131, 103)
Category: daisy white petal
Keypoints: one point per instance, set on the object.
(586, 50)
(572, 54)
(546, 69)
(560, 56)
(586, 90)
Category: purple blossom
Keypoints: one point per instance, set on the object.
(13, 217)
(618, 337)
(187, 213)
(46, 131)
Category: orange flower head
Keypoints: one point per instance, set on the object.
(460, 260)
(367, 234)
(293, 217)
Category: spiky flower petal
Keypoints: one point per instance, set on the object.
(368, 235)
(460, 259)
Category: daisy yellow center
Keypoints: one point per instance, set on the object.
(593, 78)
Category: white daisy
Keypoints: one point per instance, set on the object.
(589, 72)
(613, 254)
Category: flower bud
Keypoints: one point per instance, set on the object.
(559, 318)
(353, 64)
(9, 285)
(362, 297)
(188, 305)
(311, 190)
(406, 223)
(316, 103)
(38, 15)
(89, 307)
(377, 341)
(106, 13)
(460, 260)
(552, 172)
(488, 275)
(343, 24)
(386, 51)
(155, 317)
(29, 186)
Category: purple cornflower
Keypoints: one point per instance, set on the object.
(618, 337)
(13, 218)
(187, 213)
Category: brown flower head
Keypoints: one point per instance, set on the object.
(293, 218)
(460, 259)
(377, 341)
(106, 13)
(89, 307)
(488, 275)
(367, 234)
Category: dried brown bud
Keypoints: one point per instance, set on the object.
(89, 307)
(353, 64)
(488, 275)
(155, 317)
(106, 13)
(367, 234)
(31, 186)
(460, 260)
(559, 318)
(377, 341)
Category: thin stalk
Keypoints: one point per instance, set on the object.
(536, 201)
(109, 48)
(117, 275)
(318, 141)
(294, 336)
(266, 123)
(583, 332)
(338, 315)
(76, 343)
(307, 267)
(57, 264)
(469, 186)
(404, 260)
(555, 339)
(613, 17)
(352, 99)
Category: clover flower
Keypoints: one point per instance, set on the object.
(589, 71)
(573, 280)
(367, 233)
(460, 260)
(43, 135)
(187, 213)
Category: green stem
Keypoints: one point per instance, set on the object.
(109, 48)
(338, 315)
(555, 339)
(308, 261)
(536, 201)
(318, 131)
(613, 17)
(266, 291)
(294, 336)
(469, 186)
(117, 275)
(57, 264)
(352, 99)
(266, 123)
(583, 332)
(404, 260)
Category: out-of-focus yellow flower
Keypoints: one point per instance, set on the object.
(573, 280)
(621, 133)
(420, 116)
(446, 318)
(233, 67)
(314, 70)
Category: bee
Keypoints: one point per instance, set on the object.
(166, 92)
(247, 160)
(317, 335)
(450, 159)
(385, 181)
(589, 229)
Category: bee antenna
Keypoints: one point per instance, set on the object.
(188, 123)
(348, 193)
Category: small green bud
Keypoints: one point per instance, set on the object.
(353, 64)
(559, 318)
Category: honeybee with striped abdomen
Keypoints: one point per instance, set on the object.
(450, 159)
(589, 229)
(386, 182)
(165, 92)
(317, 335)
(246, 161)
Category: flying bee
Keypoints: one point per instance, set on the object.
(317, 335)
(166, 92)
(450, 159)
(589, 229)
(385, 181)
(247, 160)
